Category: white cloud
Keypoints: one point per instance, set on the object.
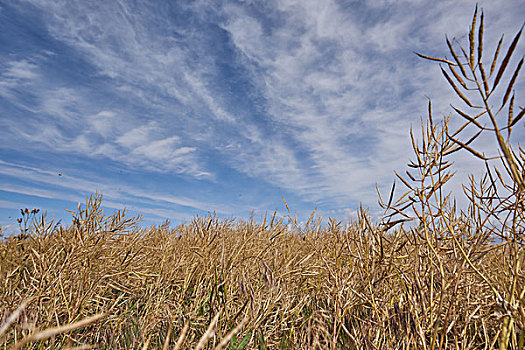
(21, 70)
(138, 136)
(15, 75)
(104, 123)
(62, 103)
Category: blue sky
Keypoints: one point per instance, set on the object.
(174, 108)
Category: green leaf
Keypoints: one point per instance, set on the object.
(233, 343)
(245, 341)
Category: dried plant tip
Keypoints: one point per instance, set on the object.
(480, 37)
(442, 60)
(496, 53)
(286, 204)
(456, 58)
(466, 147)
(380, 200)
(476, 135)
(511, 83)
(463, 97)
(404, 181)
(518, 117)
(458, 78)
(410, 176)
(506, 60)
(468, 117)
(471, 38)
(311, 217)
(391, 195)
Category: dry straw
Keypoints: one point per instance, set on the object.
(430, 275)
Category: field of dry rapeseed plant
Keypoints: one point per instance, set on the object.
(447, 279)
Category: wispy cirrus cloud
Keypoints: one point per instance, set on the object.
(63, 120)
(343, 82)
(20, 70)
(70, 118)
